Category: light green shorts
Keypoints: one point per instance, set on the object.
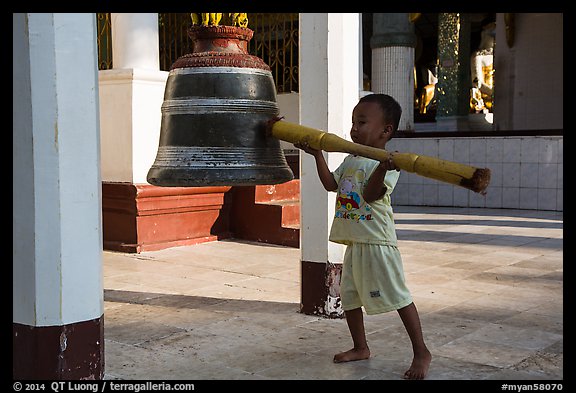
(373, 277)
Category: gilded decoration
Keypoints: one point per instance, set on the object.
(104, 41)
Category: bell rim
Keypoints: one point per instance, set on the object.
(180, 177)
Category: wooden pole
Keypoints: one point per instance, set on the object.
(472, 178)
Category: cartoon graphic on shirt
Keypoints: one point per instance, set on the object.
(349, 204)
(346, 197)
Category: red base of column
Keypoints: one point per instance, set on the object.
(69, 352)
(140, 217)
(320, 289)
(313, 288)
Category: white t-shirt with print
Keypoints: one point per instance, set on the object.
(356, 221)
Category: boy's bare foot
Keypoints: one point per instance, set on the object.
(419, 367)
(352, 354)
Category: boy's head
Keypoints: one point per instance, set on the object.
(375, 119)
(391, 109)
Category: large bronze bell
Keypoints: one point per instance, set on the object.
(217, 102)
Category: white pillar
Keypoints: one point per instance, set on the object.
(329, 90)
(393, 43)
(393, 74)
(57, 231)
(131, 96)
(135, 41)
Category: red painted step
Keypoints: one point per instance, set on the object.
(267, 213)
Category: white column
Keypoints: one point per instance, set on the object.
(393, 43)
(135, 41)
(393, 74)
(57, 231)
(329, 90)
(131, 95)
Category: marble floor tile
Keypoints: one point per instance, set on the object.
(488, 285)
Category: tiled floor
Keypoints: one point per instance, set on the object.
(488, 285)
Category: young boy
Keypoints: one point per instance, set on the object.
(372, 273)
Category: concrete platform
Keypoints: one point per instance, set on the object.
(488, 284)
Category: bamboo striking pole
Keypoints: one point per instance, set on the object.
(474, 179)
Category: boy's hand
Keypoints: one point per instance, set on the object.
(304, 146)
(388, 164)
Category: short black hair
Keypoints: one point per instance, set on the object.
(390, 107)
